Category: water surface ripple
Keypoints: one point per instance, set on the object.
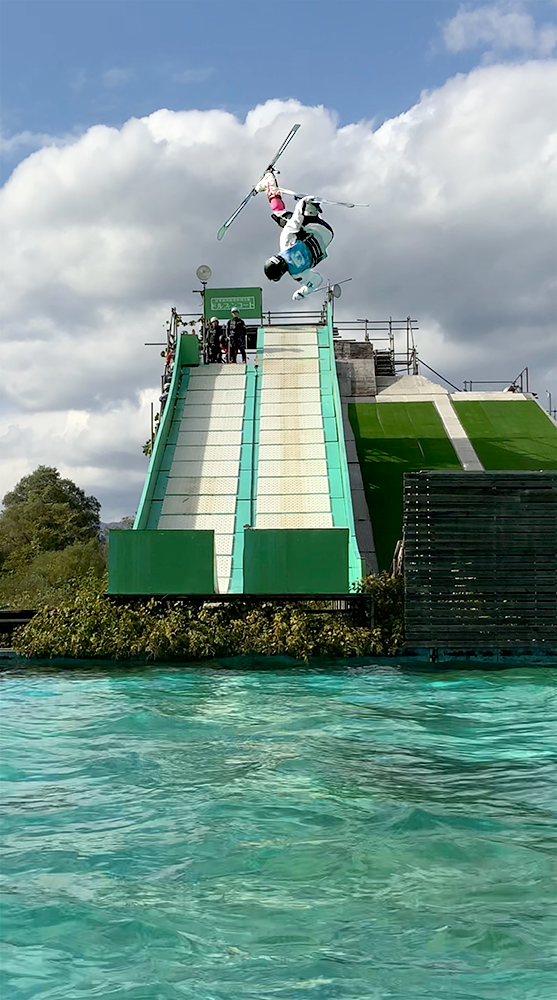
(356, 834)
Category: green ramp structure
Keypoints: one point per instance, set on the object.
(248, 488)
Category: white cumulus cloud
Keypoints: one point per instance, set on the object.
(103, 235)
(501, 27)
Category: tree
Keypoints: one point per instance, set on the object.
(52, 577)
(45, 513)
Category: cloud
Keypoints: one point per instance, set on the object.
(501, 27)
(103, 236)
(116, 77)
(193, 75)
(32, 140)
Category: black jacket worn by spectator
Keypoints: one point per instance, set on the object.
(214, 342)
(236, 329)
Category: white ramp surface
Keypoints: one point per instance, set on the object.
(292, 483)
(203, 476)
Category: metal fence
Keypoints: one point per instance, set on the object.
(519, 384)
(393, 335)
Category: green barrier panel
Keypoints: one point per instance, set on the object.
(161, 562)
(189, 349)
(296, 561)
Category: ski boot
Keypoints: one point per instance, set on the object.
(269, 184)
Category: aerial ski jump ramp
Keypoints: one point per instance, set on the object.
(247, 490)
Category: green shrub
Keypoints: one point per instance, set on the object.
(388, 602)
(91, 626)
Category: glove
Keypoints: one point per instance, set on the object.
(310, 206)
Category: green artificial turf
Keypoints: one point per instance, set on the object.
(391, 439)
(509, 435)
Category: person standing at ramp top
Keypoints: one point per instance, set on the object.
(214, 341)
(236, 329)
(303, 240)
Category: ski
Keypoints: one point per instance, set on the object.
(253, 192)
(325, 201)
(235, 215)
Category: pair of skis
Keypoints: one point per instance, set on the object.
(253, 192)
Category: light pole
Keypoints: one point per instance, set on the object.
(203, 274)
(335, 292)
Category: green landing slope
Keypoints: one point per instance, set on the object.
(509, 435)
(391, 439)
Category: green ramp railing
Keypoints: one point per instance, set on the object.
(335, 447)
(187, 354)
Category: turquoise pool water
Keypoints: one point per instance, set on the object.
(288, 835)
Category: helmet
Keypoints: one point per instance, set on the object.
(213, 319)
(275, 267)
(234, 309)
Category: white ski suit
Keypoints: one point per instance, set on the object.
(303, 242)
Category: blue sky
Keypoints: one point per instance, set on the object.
(69, 64)
(441, 115)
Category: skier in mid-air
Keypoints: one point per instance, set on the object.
(303, 240)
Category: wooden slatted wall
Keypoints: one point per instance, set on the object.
(480, 557)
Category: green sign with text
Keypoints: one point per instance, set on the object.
(220, 301)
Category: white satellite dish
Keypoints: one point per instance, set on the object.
(203, 273)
